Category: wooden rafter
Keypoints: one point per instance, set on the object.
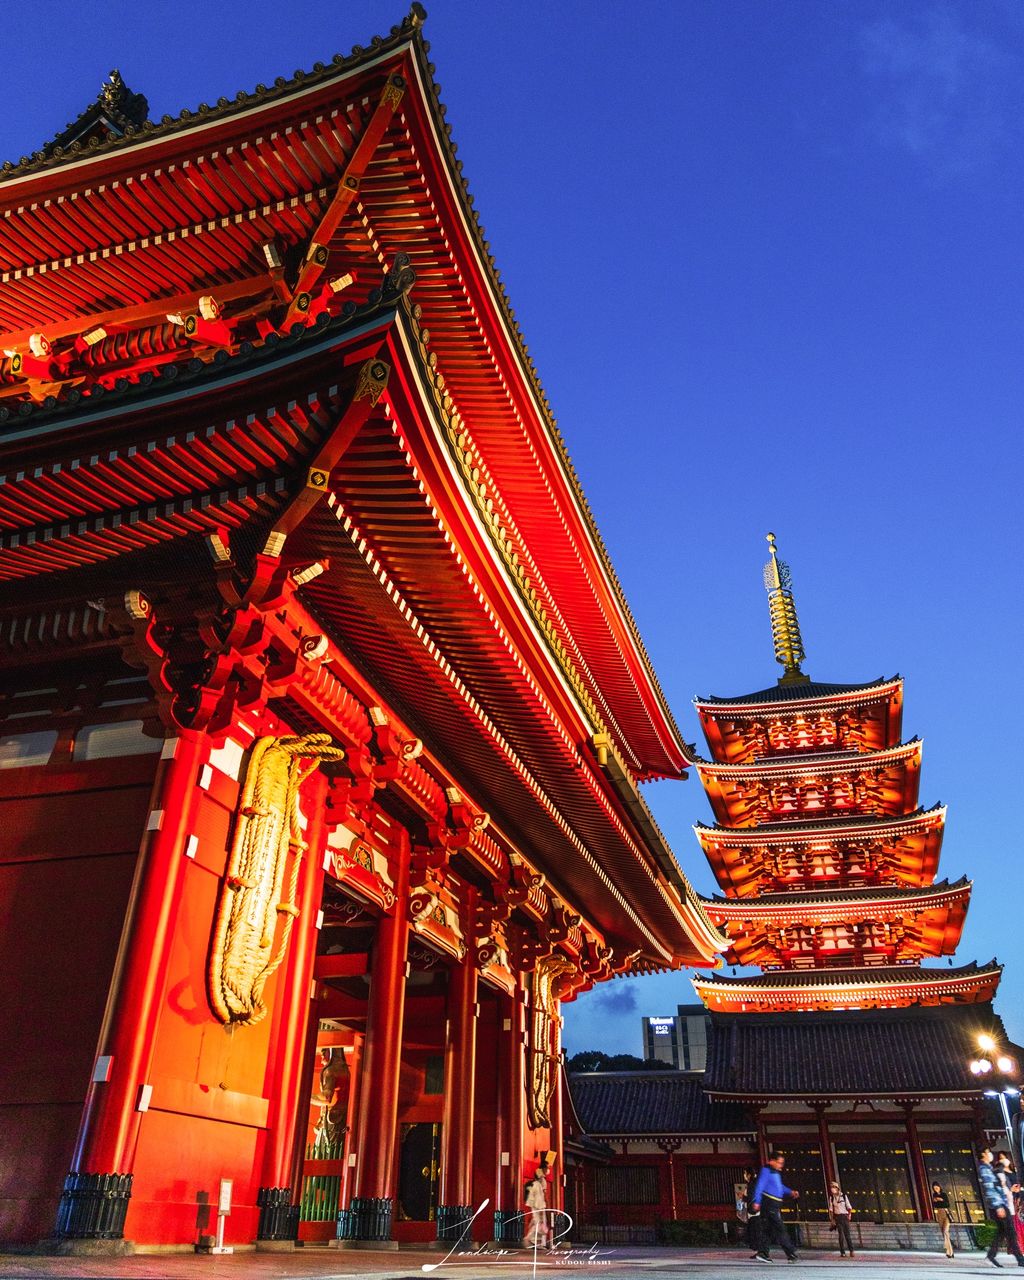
(317, 251)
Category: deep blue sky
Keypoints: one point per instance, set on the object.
(767, 258)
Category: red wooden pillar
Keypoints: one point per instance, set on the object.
(762, 1139)
(351, 1118)
(288, 1049)
(372, 1204)
(921, 1188)
(456, 1189)
(557, 1141)
(508, 1213)
(581, 1194)
(670, 1147)
(502, 1191)
(98, 1188)
(304, 1100)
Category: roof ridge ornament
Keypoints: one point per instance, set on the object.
(789, 646)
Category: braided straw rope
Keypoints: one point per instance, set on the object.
(242, 954)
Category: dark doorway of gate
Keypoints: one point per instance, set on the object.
(417, 1172)
(876, 1177)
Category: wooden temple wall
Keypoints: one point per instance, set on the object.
(70, 836)
(643, 1187)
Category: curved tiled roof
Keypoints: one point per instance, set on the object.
(654, 1102)
(407, 34)
(819, 826)
(882, 975)
(794, 765)
(869, 893)
(894, 1052)
(53, 154)
(796, 692)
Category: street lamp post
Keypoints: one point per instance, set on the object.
(1000, 1070)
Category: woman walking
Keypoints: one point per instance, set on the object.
(940, 1207)
(839, 1210)
(538, 1234)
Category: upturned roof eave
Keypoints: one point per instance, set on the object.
(823, 828)
(789, 696)
(913, 976)
(857, 761)
(22, 174)
(767, 904)
(653, 698)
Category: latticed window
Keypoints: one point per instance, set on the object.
(627, 1184)
(711, 1184)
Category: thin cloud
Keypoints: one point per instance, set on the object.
(618, 997)
(945, 94)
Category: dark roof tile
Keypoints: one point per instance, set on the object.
(614, 1102)
(797, 692)
(891, 1051)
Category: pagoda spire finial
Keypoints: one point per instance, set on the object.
(789, 647)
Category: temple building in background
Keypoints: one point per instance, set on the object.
(846, 1048)
(846, 1051)
(322, 713)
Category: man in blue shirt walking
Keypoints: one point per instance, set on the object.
(769, 1193)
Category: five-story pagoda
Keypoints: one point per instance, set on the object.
(825, 860)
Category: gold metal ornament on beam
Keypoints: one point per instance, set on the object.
(254, 896)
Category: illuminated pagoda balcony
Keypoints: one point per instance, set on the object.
(889, 987)
(878, 784)
(857, 927)
(833, 853)
(800, 719)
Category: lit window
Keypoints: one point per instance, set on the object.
(23, 750)
(105, 741)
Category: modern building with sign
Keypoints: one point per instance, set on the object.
(682, 1041)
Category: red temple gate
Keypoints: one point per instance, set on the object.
(323, 713)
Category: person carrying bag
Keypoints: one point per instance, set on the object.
(840, 1210)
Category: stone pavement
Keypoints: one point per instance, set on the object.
(611, 1263)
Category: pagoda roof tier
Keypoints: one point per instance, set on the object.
(852, 850)
(787, 929)
(900, 1053)
(800, 718)
(810, 692)
(877, 783)
(833, 904)
(882, 987)
(128, 232)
